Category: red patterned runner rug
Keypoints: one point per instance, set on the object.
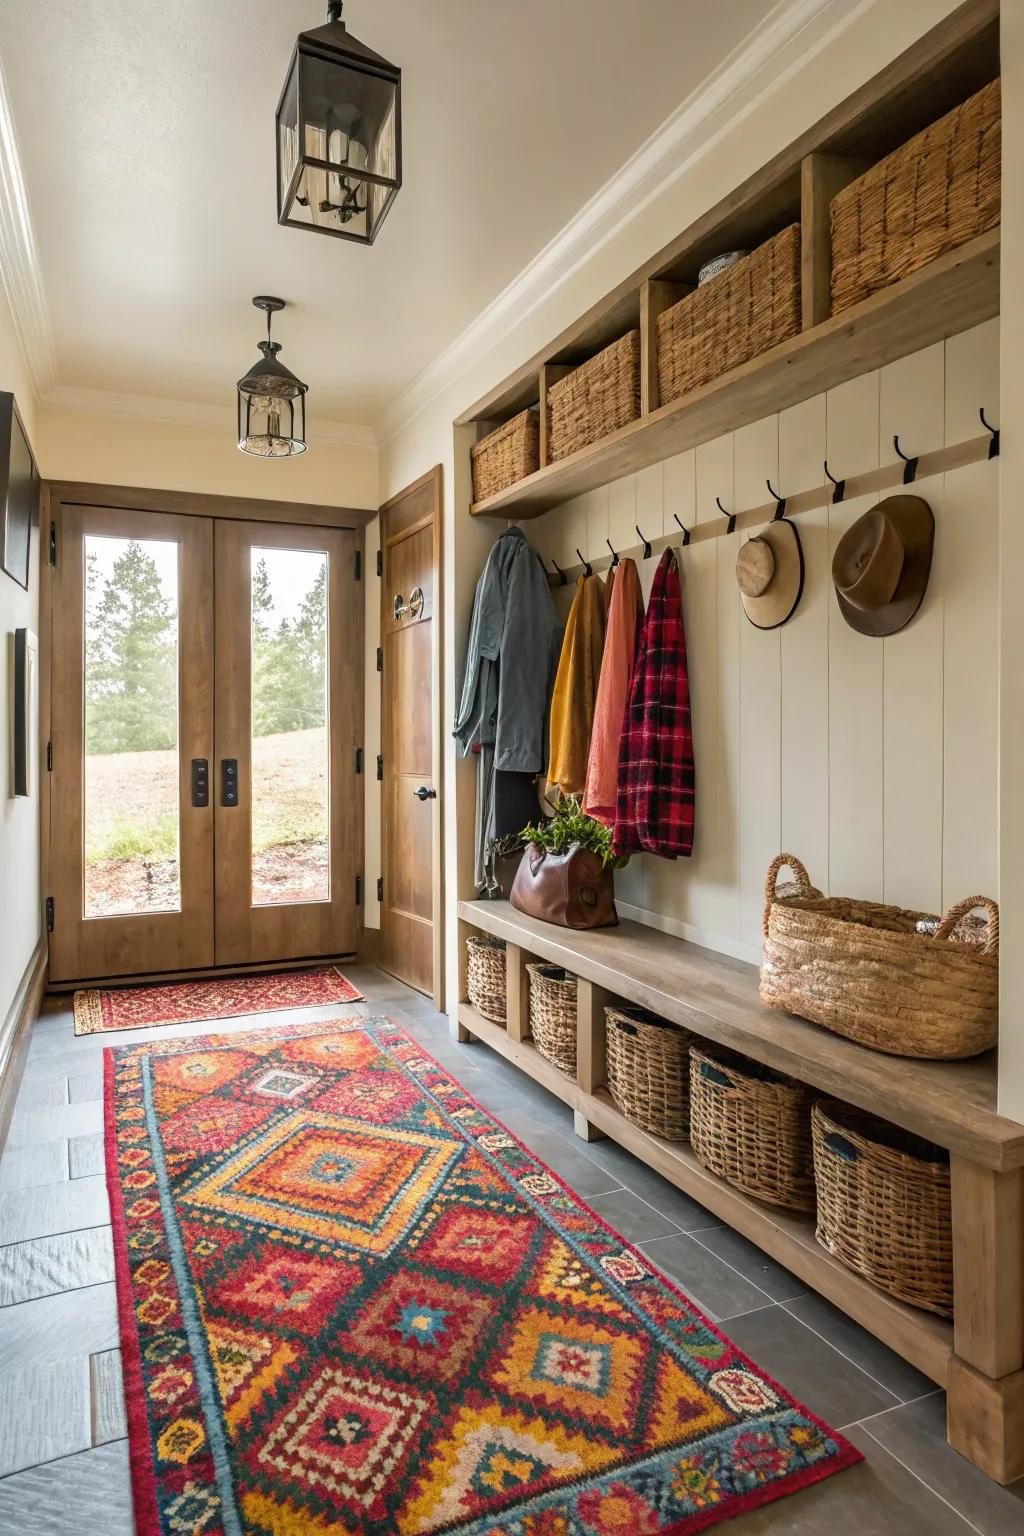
(353, 1304)
(221, 997)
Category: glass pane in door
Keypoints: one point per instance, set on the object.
(290, 758)
(131, 816)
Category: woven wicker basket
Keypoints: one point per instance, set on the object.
(485, 976)
(507, 455)
(732, 318)
(883, 1204)
(553, 1015)
(864, 971)
(597, 398)
(751, 1126)
(931, 195)
(648, 1071)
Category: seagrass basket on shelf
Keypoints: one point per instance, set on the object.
(648, 1071)
(866, 971)
(597, 398)
(485, 976)
(937, 191)
(735, 316)
(751, 1126)
(553, 1015)
(884, 1205)
(506, 455)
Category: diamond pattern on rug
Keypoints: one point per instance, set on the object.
(353, 1305)
(102, 1009)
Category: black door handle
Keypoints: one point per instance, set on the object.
(423, 793)
(200, 782)
(229, 781)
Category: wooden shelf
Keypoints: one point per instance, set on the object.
(924, 1340)
(952, 294)
(952, 1103)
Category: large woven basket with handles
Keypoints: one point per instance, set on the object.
(751, 1126)
(867, 971)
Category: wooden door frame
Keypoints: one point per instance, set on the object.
(435, 479)
(55, 493)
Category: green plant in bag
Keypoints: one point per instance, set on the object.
(570, 827)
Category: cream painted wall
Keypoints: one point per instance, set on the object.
(20, 906)
(774, 111)
(872, 761)
(172, 456)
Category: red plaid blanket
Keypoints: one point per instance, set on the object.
(656, 770)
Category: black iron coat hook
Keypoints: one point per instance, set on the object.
(909, 464)
(588, 569)
(730, 515)
(563, 580)
(993, 442)
(686, 531)
(615, 557)
(780, 502)
(840, 485)
(645, 542)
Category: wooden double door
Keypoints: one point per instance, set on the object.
(206, 712)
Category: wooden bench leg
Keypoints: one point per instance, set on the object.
(590, 1050)
(517, 993)
(459, 1032)
(985, 1387)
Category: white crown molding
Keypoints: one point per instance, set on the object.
(220, 418)
(19, 259)
(792, 34)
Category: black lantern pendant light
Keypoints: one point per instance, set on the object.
(271, 400)
(339, 135)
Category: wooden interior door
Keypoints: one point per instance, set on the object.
(411, 918)
(131, 853)
(288, 800)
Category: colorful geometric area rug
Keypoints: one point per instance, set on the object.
(352, 1304)
(221, 997)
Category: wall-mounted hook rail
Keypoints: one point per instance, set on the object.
(730, 515)
(563, 580)
(780, 502)
(686, 531)
(645, 542)
(993, 447)
(909, 464)
(839, 490)
(588, 569)
(615, 558)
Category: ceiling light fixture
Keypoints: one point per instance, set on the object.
(339, 135)
(271, 400)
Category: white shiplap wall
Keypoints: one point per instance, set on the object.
(873, 761)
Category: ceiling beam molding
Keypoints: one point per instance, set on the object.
(19, 259)
(792, 33)
(183, 413)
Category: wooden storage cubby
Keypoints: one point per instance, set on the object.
(979, 1357)
(953, 294)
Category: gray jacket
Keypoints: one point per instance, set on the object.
(514, 644)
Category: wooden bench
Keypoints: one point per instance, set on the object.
(979, 1357)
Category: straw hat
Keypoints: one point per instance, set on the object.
(770, 574)
(881, 565)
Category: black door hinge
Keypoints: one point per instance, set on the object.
(380, 658)
(359, 890)
(380, 562)
(359, 759)
(49, 757)
(52, 548)
(358, 562)
(49, 914)
(380, 767)
(380, 887)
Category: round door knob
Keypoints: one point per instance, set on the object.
(423, 793)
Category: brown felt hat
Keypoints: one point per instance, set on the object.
(881, 565)
(770, 574)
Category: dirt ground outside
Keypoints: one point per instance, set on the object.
(131, 826)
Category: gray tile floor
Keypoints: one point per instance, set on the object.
(63, 1446)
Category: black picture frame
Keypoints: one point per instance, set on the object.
(26, 694)
(19, 492)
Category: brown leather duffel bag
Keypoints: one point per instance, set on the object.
(572, 889)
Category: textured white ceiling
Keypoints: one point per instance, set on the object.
(146, 130)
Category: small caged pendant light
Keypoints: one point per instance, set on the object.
(339, 135)
(271, 400)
